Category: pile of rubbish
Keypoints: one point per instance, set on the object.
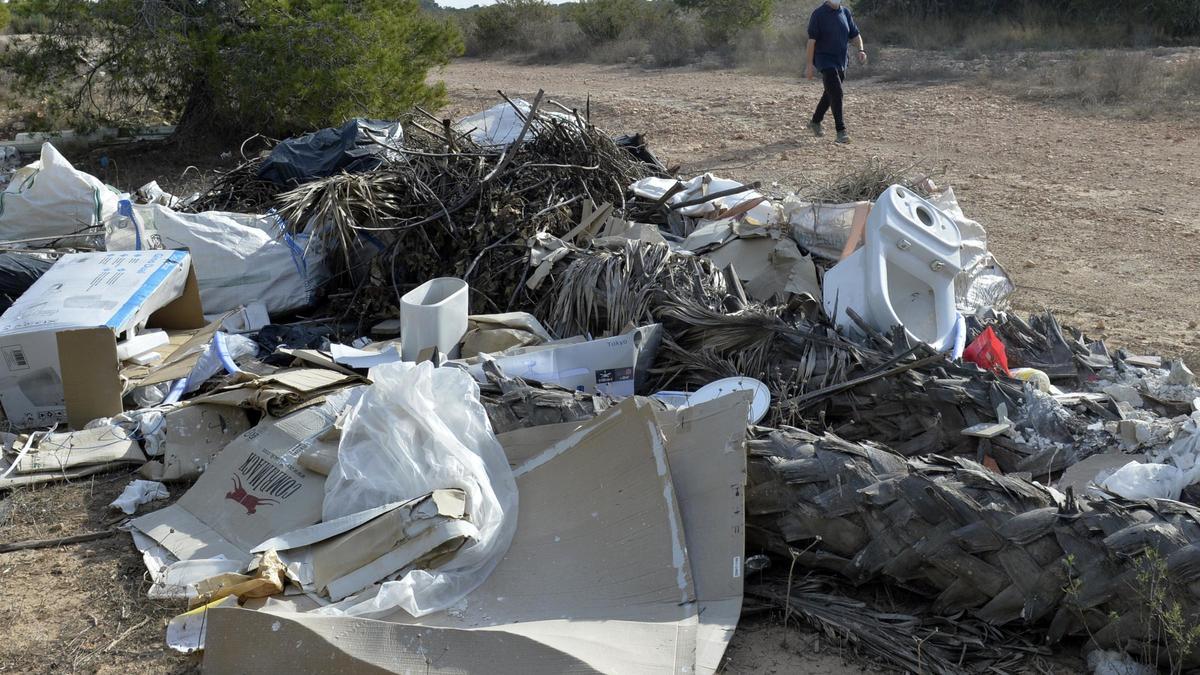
(506, 394)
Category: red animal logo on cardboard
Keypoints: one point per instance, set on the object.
(246, 499)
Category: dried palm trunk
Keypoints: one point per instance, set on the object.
(1008, 550)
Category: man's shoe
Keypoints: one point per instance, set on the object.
(843, 137)
(815, 128)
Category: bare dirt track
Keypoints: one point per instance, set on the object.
(1095, 215)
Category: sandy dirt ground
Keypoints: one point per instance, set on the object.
(1095, 217)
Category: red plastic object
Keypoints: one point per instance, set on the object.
(987, 351)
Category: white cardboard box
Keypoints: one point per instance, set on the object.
(58, 341)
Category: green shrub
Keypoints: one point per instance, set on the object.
(607, 20)
(723, 19)
(507, 26)
(273, 66)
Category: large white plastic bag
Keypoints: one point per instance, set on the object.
(417, 429)
(50, 197)
(237, 257)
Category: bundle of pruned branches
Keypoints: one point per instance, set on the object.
(448, 207)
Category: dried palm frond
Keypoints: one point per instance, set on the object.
(1006, 550)
(911, 643)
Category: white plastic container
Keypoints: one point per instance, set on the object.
(433, 314)
(904, 272)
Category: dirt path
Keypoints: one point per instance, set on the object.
(1095, 218)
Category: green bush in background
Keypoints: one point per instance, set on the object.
(232, 66)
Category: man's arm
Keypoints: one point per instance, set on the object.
(856, 38)
(857, 41)
(809, 70)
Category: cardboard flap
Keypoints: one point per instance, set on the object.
(91, 379)
(184, 312)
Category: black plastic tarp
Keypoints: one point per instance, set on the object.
(358, 145)
(18, 271)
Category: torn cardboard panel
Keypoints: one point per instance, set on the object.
(58, 340)
(253, 490)
(282, 392)
(598, 580)
(102, 445)
(192, 435)
(348, 554)
(491, 333)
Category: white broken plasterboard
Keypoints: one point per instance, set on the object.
(58, 341)
(611, 366)
(768, 267)
(593, 582)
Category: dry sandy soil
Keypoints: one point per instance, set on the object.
(1095, 216)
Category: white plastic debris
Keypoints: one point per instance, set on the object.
(1136, 480)
(139, 492)
(1184, 451)
(1107, 662)
(433, 314)
(415, 430)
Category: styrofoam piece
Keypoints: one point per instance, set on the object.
(903, 274)
(141, 344)
(433, 314)
(715, 390)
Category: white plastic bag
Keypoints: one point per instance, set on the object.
(237, 257)
(139, 492)
(50, 197)
(1145, 481)
(417, 429)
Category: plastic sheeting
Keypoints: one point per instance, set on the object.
(18, 271)
(415, 430)
(358, 145)
(498, 126)
(983, 283)
(237, 257)
(821, 229)
(50, 197)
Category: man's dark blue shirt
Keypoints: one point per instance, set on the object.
(833, 29)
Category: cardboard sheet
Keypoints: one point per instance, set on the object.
(601, 576)
(194, 434)
(280, 393)
(58, 340)
(253, 490)
(103, 445)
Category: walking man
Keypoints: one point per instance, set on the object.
(831, 29)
